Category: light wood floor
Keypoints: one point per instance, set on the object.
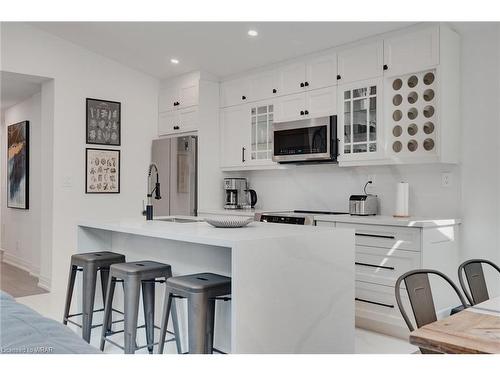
(18, 283)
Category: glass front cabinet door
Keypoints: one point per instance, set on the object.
(359, 122)
(261, 145)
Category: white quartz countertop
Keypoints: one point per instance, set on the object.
(418, 222)
(200, 232)
(250, 212)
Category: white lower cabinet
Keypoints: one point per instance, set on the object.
(385, 252)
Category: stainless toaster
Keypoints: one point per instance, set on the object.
(363, 205)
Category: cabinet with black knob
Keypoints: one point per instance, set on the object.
(309, 104)
(360, 62)
(179, 93)
(181, 121)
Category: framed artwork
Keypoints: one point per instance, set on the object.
(18, 145)
(102, 171)
(103, 122)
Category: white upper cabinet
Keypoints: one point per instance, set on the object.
(264, 85)
(314, 103)
(290, 107)
(181, 121)
(235, 135)
(322, 102)
(292, 78)
(361, 62)
(359, 126)
(236, 91)
(411, 52)
(312, 74)
(179, 94)
(321, 72)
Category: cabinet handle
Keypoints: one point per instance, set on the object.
(374, 303)
(306, 84)
(176, 127)
(386, 67)
(301, 84)
(375, 235)
(243, 154)
(275, 91)
(373, 265)
(302, 113)
(338, 77)
(176, 104)
(306, 112)
(243, 97)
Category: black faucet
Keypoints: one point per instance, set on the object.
(151, 190)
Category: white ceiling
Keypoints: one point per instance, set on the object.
(220, 48)
(15, 88)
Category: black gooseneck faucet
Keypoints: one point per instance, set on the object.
(151, 190)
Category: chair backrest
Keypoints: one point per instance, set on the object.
(474, 274)
(420, 296)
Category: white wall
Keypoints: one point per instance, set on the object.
(21, 229)
(78, 74)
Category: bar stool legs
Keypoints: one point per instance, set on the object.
(197, 323)
(89, 282)
(69, 292)
(169, 307)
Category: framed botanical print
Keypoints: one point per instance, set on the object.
(18, 146)
(102, 171)
(103, 122)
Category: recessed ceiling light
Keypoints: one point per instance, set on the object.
(174, 61)
(253, 33)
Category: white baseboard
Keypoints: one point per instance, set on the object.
(43, 282)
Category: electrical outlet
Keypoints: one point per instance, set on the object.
(446, 179)
(371, 177)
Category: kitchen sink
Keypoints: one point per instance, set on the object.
(179, 220)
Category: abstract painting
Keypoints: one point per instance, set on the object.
(102, 171)
(18, 165)
(103, 122)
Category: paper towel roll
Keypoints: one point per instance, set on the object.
(402, 197)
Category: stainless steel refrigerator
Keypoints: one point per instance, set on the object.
(177, 161)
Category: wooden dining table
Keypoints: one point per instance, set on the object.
(475, 330)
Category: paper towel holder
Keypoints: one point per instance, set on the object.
(402, 212)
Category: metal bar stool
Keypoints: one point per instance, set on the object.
(201, 291)
(89, 264)
(135, 275)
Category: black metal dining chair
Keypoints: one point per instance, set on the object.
(476, 289)
(420, 295)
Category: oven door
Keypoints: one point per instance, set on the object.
(303, 140)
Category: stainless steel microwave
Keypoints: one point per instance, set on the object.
(311, 140)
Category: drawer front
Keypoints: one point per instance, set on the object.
(389, 237)
(384, 266)
(378, 303)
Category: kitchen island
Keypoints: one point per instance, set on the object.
(292, 286)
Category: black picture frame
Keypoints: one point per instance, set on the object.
(102, 190)
(100, 131)
(23, 162)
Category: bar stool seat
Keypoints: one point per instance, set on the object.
(145, 274)
(201, 290)
(89, 264)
